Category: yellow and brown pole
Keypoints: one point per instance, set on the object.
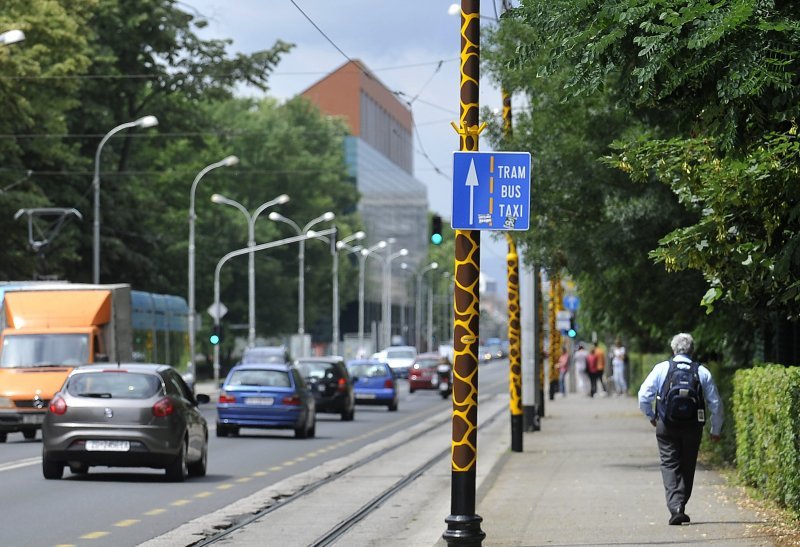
(556, 298)
(514, 330)
(463, 525)
(514, 353)
(540, 356)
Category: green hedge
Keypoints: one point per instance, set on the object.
(766, 400)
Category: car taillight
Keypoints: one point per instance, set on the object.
(292, 400)
(58, 406)
(341, 385)
(163, 407)
(389, 384)
(225, 398)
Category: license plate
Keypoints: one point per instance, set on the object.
(108, 446)
(259, 400)
(366, 396)
(320, 387)
(32, 418)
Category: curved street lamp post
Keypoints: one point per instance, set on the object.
(277, 217)
(146, 121)
(240, 252)
(226, 162)
(251, 242)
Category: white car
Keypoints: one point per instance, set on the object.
(399, 358)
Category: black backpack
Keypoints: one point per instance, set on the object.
(681, 401)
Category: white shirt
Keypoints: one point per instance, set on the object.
(652, 386)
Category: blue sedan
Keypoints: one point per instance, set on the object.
(374, 383)
(266, 396)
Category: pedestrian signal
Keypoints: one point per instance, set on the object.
(436, 230)
(216, 335)
(572, 332)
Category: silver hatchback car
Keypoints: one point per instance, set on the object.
(129, 415)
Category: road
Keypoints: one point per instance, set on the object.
(116, 507)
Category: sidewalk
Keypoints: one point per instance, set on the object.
(591, 477)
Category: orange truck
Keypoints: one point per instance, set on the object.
(47, 330)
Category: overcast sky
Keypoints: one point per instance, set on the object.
(412, 47)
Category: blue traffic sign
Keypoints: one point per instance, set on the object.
(572, 303)
(491, 190)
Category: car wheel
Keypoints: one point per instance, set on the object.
(29, 434)
(349, 415)
(312, 432)
(52, 469)
(198, 468)
(301, 432)
(411, 389)
(78, 468)
(178, 469)
(393, 406)
(445, 394)
(233, 431)
(222, 431)
(3, 437)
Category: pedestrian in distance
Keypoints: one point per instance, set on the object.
(579, 367)
(681, 389)
(618, 356)
(563, 367)
(601, 366)
(591, 371)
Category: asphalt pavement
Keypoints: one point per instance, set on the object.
(589, 477)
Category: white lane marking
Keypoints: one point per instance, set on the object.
(20, 463)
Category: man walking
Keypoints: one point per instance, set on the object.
(681, 388)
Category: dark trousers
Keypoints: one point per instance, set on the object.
(678, 448)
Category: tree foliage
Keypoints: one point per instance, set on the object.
(699, 97)
(87, 66)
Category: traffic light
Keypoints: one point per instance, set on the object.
(436, 230)
(572, 332)
(216, 335)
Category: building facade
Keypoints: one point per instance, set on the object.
(379, 154)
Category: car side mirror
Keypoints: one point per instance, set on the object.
(202, 398)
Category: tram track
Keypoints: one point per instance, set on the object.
(345, 522)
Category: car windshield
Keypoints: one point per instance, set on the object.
(261, 378)
(400, 354)
(36, 350)
(313, 370)
(425, 363)
(368, 370)
(264, 356)
(114, 385)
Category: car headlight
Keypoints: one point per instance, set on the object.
(5, 402)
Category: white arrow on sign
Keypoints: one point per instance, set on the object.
(472, 182)
(217, 312)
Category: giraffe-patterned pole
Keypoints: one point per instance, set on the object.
(514, 339)
(540, 357)
(514, 353)
(463, 525)
(556, 298)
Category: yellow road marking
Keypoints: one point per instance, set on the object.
(224, 486)
(276, 468)
(66, 545)
(203, 494)
(259, 473)
(153, 512)
(178, 503)
(290, 462)
(94, 535)
(125, 523)
(243, 479)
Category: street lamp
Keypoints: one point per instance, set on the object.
(146, 121)
(387, 272)
(418, 314)
(362, 259)
(251, 266)
(358, 236)
(301, 329)
(226, 162)
(240, 252)
(11, 37)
